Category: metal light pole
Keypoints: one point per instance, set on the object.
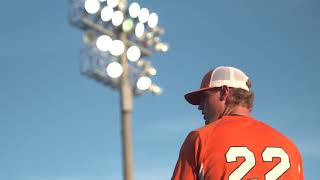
(126, 109)
(115, 54)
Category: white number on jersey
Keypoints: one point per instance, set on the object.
(282, 167)
(246, 166)
(268, 154)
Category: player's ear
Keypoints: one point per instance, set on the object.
(224, 92)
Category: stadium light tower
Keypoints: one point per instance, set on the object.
(118, 38)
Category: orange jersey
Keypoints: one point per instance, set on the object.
(238, 147)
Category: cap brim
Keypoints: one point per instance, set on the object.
(194, 97)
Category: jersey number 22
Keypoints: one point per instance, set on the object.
(250, 162)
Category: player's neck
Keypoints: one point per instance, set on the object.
(239, 110)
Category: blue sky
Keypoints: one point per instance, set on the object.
(58, 125)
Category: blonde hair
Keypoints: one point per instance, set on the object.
(241, 97)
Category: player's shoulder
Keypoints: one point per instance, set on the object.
(271, 130)
(224, 123)
(232, 124)
(206, 130)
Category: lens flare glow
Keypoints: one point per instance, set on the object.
(144, 83)
(114, 70)
(92, 6)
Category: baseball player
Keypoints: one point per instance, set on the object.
(233, 145)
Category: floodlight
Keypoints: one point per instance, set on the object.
(139, 30)
(92, 6)
(103, 43)
(113, 3)
(114, 70)
(155, 89)
(152, 71)
(144, 83)
(143, 15)
(127, 25)
(141, 63)
(106, 13)
(153, 20)
(117, 48)
(162, 47)
(134, 10)
(133, 53)
(117, 18)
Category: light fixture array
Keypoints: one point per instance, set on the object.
(102, 22)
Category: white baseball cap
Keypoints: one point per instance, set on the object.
(218, 77)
